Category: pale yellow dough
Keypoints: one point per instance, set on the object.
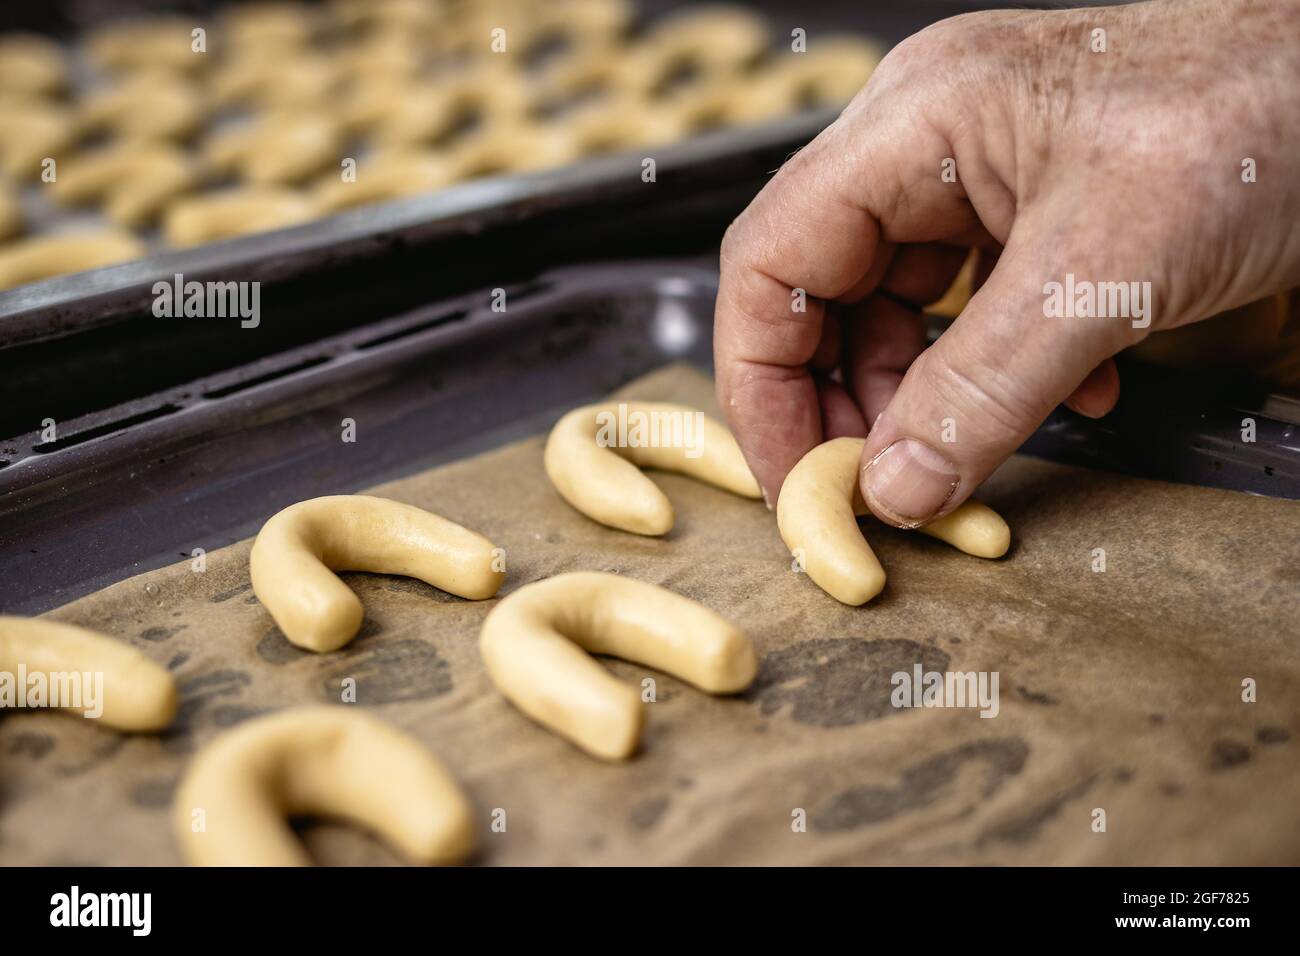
(817, 515)
(153, 105)
(135, 180)
(138, 695)
(536, 644)
(224, 214)
(296, 553)
(234, 802)
(31, 63)
(284, 81)
(150, 44)
(605, 483)
(44, 257)
(32, 132)
(383, 177)
(709, 37)
(278, 149)
(12, 220)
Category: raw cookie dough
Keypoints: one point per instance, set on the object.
(44, 257)
(604, 481)
(31, 63)
(817, 513)
(233, 804)
(32, 132)
(145, 106)
(296, 553)
(135, 180)
(383, 177)
(227, 213)
(537, 644)
(279, 149)
(137, 694)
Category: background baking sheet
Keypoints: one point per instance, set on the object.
(1119, 690)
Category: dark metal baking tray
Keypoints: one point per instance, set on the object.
(76, 344)
(75, 303)
(201, 465)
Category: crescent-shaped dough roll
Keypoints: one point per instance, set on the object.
(137, 694)
(135, 179)
(44, 257)
(537, 644)
(227, 213)
(296, 553)
(234, 802)
(594, 455)
(31, 64)
(817, 514)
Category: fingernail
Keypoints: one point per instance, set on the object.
(909, 482)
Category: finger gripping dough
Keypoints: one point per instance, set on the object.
(137, 694)
(817, 515)
(592, 460)
(297, 552)
(318, 761)
(536, 645)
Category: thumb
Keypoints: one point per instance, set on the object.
(971, 399)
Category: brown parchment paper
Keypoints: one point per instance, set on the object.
(1119, 690)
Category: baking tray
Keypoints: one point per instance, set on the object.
(74, 303)
(202, 465)
(80, 343)
(76, 344)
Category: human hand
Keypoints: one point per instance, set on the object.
(1123, 166)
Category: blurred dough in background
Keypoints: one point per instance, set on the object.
(240, 211)
(258, 127)
(153, 43)
(176, 118)
(11, 212)
(30, 260)
(30, 133)
(134, 180)
(31, 64)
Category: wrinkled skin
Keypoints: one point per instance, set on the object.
(1124, 165)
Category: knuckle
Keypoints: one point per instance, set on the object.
(997, 406)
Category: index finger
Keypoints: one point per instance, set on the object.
(822, 227)
(802, 241)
